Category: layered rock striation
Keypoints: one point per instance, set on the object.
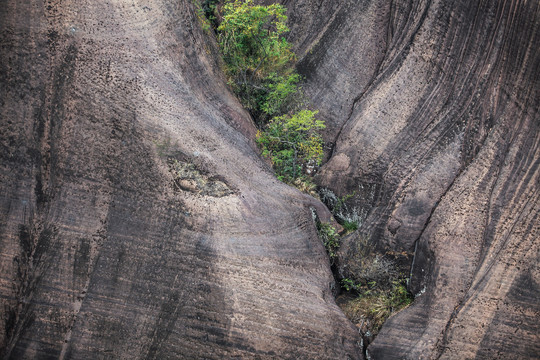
(138, 221)
(136, 217)
(439, 146)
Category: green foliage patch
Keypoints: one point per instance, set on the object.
(209, 8)
(251, 39)
(291, 143)
(258, 58)
(282, 93)
(260, 68)
(330, 238)
(350, 226)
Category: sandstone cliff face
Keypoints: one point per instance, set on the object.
(137, 220)
(439, 145)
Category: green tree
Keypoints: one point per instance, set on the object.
(255, 50)
(282, 93)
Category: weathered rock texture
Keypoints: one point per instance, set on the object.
(435, 105)
(136, 218)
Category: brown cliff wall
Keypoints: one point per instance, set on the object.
(137, 221)
(441, 151)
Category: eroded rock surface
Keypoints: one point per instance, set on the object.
(440, 147)
(136, 218)
(137, 221)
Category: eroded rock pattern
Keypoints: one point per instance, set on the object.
(137, 220)
(441, 150)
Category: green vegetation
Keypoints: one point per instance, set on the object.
(291, 143)
(206, 16)
(330, 238)
(259, 60)
(376, 289)
(370, 309)
(282, 92)
(348, 216)
(380, 290)
(350, 226)
(259, 64)
(209, 8)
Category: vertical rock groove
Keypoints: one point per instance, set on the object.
(440, 151)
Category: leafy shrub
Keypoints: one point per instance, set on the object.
(348, 284)
(281, 93)
(330, 238)
(251, 40)
(291, 143)
(399, 296)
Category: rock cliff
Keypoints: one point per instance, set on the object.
(435, 111)
(138, 221)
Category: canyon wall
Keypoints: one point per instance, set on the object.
(136, 218)
(138, 221)
(434, 107)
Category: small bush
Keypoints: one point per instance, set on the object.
(350, 226)
(330, 238)
(291, 143)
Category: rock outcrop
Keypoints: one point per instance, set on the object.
(138, 221)
(136, 217)
(440, 147)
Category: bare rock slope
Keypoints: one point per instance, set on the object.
(440, 147)
(136, 218)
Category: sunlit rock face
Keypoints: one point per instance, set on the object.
(138, 221)
(136, 217)
(434, 111)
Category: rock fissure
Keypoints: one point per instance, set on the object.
(111, 250)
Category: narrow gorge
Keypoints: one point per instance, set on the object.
(138, 219)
